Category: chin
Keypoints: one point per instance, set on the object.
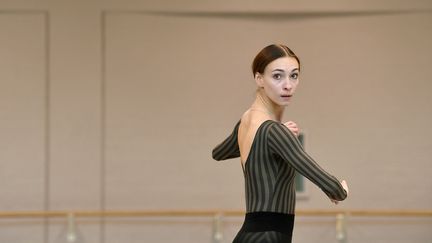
(284, 103)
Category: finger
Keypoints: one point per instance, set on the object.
(294, 130)
(293, 126)
(345, 185)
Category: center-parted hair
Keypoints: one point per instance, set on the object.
(269, 54)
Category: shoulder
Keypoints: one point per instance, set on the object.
(272, 125)
(270, 128)
(237, 125)
(278, 129)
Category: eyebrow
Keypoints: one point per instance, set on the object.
(281, 70)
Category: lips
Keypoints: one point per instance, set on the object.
(286, 96)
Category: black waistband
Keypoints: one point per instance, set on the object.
(268, 221)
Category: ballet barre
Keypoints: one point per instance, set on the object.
(206, 213)
(218, 216)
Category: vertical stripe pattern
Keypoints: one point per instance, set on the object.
(229, 148)
(262, 237)
(270, 168)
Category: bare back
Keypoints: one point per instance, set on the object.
(250, 122)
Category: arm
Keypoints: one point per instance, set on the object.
(284, 143)
(229, 148)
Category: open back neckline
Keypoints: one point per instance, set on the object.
(253, 143)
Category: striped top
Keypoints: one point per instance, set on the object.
(275, 155)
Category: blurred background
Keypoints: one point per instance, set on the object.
(116, 105)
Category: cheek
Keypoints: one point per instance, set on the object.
(271, 87)
(295, 84)
(272, 91)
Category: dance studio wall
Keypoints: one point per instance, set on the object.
(110, 106)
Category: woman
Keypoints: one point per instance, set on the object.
(270, 152)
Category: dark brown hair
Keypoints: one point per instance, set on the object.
(269, 54)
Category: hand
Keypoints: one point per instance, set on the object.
(292, 126)
(345, 187)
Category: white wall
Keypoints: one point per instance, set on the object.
(108, 106)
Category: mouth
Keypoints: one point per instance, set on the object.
(286, 96)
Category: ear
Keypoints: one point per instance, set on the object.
(259, 79)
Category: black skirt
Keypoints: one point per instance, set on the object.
(266, 227)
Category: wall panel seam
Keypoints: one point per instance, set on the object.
(46, 109)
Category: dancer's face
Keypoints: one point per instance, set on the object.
(279, 80)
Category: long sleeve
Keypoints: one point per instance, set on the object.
(283, 143)
(229, 148)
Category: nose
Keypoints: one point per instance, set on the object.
(288, 85)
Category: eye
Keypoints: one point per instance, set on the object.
(277, 76)
(294, 76)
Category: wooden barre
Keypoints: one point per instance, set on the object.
(207, 213)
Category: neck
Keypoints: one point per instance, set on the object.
(263, 103)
